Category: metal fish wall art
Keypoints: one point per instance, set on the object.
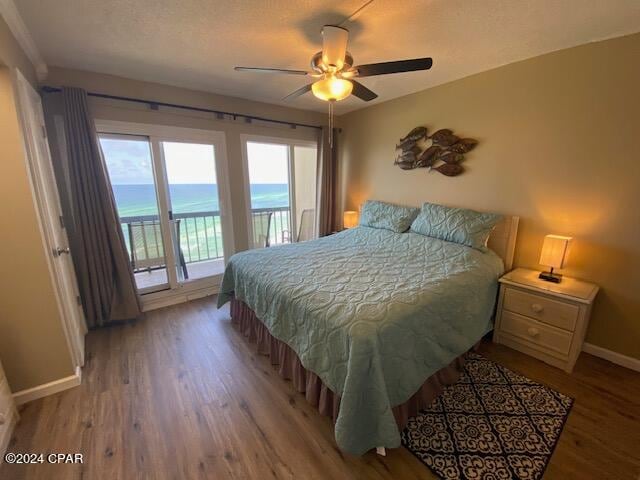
(442, 151)
(415, 134)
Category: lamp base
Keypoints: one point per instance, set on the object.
(550, 277)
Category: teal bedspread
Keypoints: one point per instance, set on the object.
(373, 313)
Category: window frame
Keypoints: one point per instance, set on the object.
(157, 134)
(290, 143)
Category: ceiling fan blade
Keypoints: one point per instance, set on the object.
(362, 92)
(399, 66)
(298, 92)
(270, 70)
(334, 46)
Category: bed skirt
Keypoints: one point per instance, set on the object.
(316, 393)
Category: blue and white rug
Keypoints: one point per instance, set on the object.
(492, 424)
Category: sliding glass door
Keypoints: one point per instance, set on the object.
(130, 165)
(269, 193)
(280, 177)
(304, 163)
(194, 209)
(171, 197)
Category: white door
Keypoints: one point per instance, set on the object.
(47, 202)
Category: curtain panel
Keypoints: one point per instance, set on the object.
(327, 172)
(106, 282)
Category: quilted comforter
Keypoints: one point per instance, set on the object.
(373, 313)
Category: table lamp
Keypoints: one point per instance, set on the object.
(350, 219)
(553, 255)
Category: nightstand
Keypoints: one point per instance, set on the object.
(543, 319)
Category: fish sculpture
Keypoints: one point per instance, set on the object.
(444, 154)
(444, 137)
(406, 161)
(415, 135)
(406, 144)
(450, 169)
(463, 146)
(451, 157)
(428, 157)
(415, 149)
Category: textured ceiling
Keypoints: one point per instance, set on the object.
(196, 43)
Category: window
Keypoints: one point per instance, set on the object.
(170, 191)
(281, 184)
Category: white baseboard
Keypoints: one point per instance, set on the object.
(46, 389)
(154, 301)
(613, 357)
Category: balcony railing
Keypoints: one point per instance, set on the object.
(200, 234)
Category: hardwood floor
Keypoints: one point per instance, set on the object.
(182, 395)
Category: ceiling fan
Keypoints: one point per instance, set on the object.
(334, 69)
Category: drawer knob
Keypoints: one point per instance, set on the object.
(2, 419)
(536, 307)
(533, 331)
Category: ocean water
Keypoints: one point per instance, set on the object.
(133, 200)
(201, 237)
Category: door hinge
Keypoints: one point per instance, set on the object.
(78, 300)
(61, 221)
(44, 131)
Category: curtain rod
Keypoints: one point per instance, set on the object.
(154, 106)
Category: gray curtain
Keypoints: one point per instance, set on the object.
(107, 285)
(326, 188)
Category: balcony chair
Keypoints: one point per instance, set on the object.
(262, 229)
(147, 250)
(306, 229)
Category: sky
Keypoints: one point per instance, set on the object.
(268, 163)
(129, 162)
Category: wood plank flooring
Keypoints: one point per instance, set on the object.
(182, 395)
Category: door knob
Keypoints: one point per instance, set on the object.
(59, 251)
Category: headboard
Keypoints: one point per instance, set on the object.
(503, 239)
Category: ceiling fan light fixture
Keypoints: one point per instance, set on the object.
(334, 47)
(332, 88)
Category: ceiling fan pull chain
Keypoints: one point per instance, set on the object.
(331, 102)
(355, 14)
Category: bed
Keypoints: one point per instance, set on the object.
(370, 323)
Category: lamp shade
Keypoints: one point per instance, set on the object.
(554, 251)
(332, 88)
(350, 219)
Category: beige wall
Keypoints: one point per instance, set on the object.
(558, 146)
(33, 348)
(128, 112)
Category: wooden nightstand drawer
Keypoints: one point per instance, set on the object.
(559, 314)
(537, 333)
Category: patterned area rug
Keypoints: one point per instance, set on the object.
(491, 424)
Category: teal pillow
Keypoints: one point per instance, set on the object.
(458, 225)
(388, 216)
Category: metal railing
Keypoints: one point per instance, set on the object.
(200, 233)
